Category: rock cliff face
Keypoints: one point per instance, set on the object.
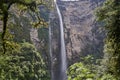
(83, 34)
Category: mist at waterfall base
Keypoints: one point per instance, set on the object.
(63, 64)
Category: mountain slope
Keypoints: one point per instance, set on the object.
(82, 33)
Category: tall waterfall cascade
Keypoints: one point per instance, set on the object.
(62, 42)
(63, 61)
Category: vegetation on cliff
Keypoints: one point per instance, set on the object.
(109, 14)
(24, 65)
(19, 59)
(109, 66)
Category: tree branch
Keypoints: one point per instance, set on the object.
(5, 19)
(21, 2)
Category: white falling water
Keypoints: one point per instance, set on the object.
(63, 74)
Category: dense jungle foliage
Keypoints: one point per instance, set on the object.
(20, 60)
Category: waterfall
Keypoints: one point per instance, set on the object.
(60, 74)
(63, 74)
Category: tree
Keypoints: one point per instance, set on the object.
(20, 61)
(88, 70)
(109, 15)
(24, 65)
(80, 71)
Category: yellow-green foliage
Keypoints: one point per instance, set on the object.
(25, 65)
(20, 61)
(79, 71)
(86, 70)
(109, 15)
